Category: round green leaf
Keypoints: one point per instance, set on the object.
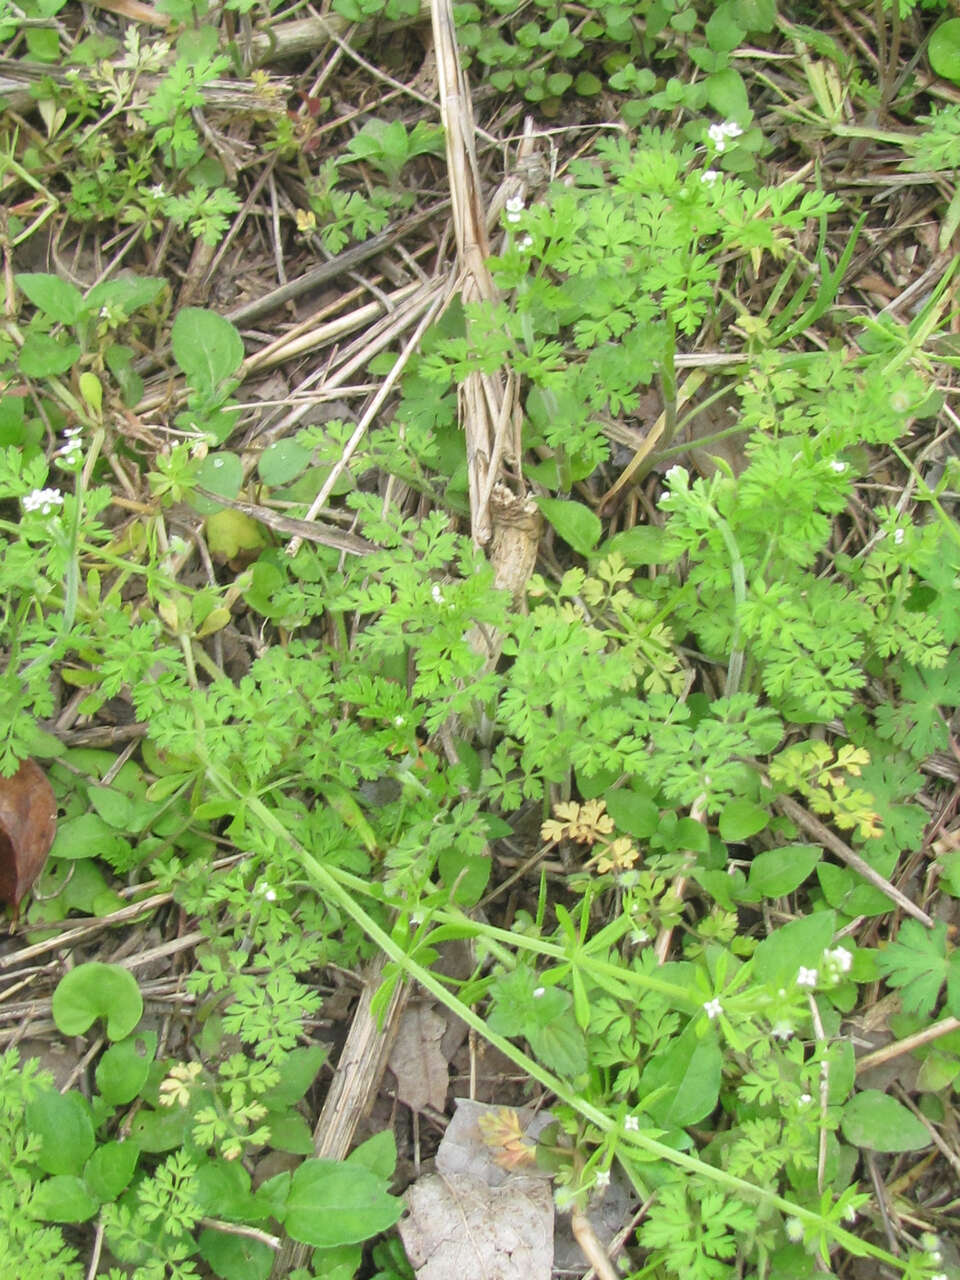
(873, 1120)
(643, 544)
(87, 836)
(94, 991)
(62, 1123)
(741, 819)
(587, 84)
(43, 356)
(283, 461)
(236, 1257)
(727, 94)
(331, 1204)
(110, 1168)
(779, 871)
(122, 1071)
(944, 50)
(635, 814)
(207, 347)
(63, 1198)
(220, 473)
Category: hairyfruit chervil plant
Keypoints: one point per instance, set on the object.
(312, 760)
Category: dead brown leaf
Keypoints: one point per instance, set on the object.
(28, 823)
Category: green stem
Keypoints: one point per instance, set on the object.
(638, 1145)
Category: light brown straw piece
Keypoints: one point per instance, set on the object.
(488, 404)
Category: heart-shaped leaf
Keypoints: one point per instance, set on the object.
(94, 991)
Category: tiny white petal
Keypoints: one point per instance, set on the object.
(806, 977)
(436, 593)
(898, 537)
(603, 1178)
(399, 721)
(712, 1008)
(43, 500)
(838, 466)
(538, 992)
(709, 176)
(631, 1124)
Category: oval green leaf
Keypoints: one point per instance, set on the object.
(741, 819)
(63, 1198)
(873, 1120)
(332, 1204)
(62, 1123)
(207, 347)
(944, 50)
(574, 522)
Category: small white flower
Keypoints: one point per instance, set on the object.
(709, 176)
(639, 937)
(850, 1214)
(794, 1229)
(525, 244)
(399, 721)
(603, 1178)
(941, 1275)
(69, 455)
(782, 1030)
(538, 992)
(676, 472)
(631, 1124)
(43, 500)
(719, 133)
(514, 208)
(804, 1100)
(838, 467)
(713, 1009)
(898, 537)
(158, 191)
(271, 895)
(839, 959)
(436, 593)
(806, 977)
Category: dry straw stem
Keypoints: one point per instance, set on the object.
(354, 1088)
(825, 837)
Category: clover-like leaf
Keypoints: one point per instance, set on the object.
(94, 991)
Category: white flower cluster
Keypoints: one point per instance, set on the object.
(719, 133)
(514, 208)
(43, 500)
(70, 454)
(835, 964)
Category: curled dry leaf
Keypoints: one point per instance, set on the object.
(28, 823)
